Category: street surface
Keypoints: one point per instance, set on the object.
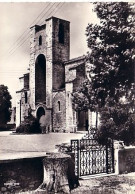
(14, 146)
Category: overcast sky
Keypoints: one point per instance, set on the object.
(15, 21)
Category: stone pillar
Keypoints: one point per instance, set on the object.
(32, 68)
(69, 108)
(58, 174)
(49, 62)
(117, 146)
(18, 108)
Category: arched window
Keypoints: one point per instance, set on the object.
(61, 33)
(58, 105)
(40, 40)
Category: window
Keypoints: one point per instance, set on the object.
(58, 105)
(61, 33)
(26, 97)
(40, 40)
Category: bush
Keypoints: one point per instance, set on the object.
(121, 131)
(29, 125)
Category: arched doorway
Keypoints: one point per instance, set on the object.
(40, 112)
(40, 79)
(82, 118)
(41, 118)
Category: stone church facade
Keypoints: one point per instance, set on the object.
(47, 88)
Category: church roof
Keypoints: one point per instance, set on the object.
(75, 62)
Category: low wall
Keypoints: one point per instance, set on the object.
(20, 175)
(126, 158)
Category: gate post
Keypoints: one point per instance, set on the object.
(75, 150)
(79, 159)
(117, 146)
(107, 158)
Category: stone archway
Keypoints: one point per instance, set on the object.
(40, 79)
(41, 117)
(40, 112)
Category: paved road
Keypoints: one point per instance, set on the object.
(14, 146)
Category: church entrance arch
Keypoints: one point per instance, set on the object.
(40, 112)
(42, 119)
(40, 79)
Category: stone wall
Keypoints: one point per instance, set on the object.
(32, 67)
(60, 52)
(70, 117)
(20, 175)
(126, 160)
(18, 98)
(22, 106)
(80, 76)
(49, 55)
(59, 111)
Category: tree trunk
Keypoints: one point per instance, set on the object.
(58, 174)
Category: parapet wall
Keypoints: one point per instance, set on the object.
(126, 158)
(20, 175)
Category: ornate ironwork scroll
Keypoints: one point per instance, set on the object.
(75, 150)
(91, 157)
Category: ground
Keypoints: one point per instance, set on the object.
(14, 146)
(114, 184)
(17, 146)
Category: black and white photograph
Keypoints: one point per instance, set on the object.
(67, 97)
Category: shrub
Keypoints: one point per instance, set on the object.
(29, 125)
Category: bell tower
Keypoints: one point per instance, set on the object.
(49, 49)
(60, 50)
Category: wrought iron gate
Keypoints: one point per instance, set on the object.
(92, 158)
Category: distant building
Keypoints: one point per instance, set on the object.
(46, 90)
(13, 116)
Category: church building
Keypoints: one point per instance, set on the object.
(47, 88)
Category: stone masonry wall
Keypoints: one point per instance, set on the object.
(70, 116)
(35, 51)
(49, 62)
(80, 76)
(18, 98)
(32, 68)
(59, 111)
(21, 175)
(60, 52)
(126, 160)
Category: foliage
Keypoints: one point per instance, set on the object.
(29, 125)
(110, 89)
(5, 104)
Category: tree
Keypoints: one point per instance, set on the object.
(111, 88)
(5, 104)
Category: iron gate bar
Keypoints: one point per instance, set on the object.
(75, 150)
(91, 157)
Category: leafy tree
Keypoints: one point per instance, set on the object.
(111, 89)
(5, 104)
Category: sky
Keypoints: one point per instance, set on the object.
(15, 21)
